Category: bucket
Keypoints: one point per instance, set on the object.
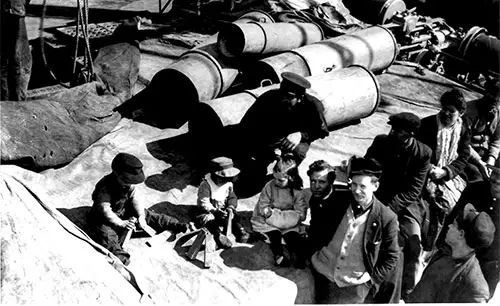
(263, 38)
(347, 94)
(375, 11)
(374, 48)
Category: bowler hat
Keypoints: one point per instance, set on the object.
(294, 83)
(406, 121)
(128, 168)
(365, 166)
(478, 227)
(223, 167)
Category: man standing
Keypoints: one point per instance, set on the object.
(285, 119)
(405, 163)
(15, 53)
(456, 277)
(364, 249)
(323, 204)
(116, 206)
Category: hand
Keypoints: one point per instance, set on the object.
(485, 171)
(128, 224)
(437, 173)
(267, 212)
(182, 228)
(292, 141)
(222, 213)
(207, 218)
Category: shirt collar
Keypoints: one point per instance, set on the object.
(358, 210)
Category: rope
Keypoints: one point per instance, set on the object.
(81, 17)
(42, 46)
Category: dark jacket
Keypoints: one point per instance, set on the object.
(447, 280)
(381, 250)
(404, 174)
(269, 119)
(324, 213)
(485, 124)
(380, 239)
(428, 135)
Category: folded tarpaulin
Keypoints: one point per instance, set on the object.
(47, 260)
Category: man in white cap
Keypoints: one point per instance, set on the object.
(454, 275)
(116, 206)
(216, 200)
(285, 119)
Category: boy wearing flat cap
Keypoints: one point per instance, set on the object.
(216, 200)
(116, 207)
(454, 276)
(285, 119)
(405, 163)
(364, 249)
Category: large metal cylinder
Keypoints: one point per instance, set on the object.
(374, 48)
(202, 74)
(347, 94)
(480, 49)
(375, 11)
(263, 38)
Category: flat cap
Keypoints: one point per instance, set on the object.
(478, 227)
(406, 121)
(128, 168)
(365, 166)
(294, 82)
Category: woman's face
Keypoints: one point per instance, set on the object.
(281, 179)
(449, 115)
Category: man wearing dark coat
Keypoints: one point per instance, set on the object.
(323, 205)
(454, 274)
(285, 119)
(405, 163)
(364, 248)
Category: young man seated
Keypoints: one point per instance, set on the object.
(116, 206)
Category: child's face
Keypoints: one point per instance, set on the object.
(281, 179)
(219, 181)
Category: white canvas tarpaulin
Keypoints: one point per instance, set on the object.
(45, 259)
(41, 261)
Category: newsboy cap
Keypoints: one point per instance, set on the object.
(128, 168)
(478, 227)
(406, 121)
(223, 167)
(294, 82)
(365, 166)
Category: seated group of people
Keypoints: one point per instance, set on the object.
(410, 192)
